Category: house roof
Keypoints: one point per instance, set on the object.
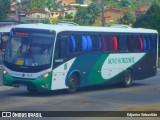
(36, 11)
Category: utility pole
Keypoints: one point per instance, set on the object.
(54, 1)
(102, 9)
(19, 11)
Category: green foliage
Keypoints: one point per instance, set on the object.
(128, 19)
(69, 16)
(79, 1)
(50, 4)
(47, 21)
(34, 4)
(125, 2)
(4, 8)
(87, 15)
(151, 20)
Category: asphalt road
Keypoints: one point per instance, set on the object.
(143, 95)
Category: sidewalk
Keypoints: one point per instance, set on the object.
(4, 88)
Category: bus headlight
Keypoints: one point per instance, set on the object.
(44, 75)
(4, 72)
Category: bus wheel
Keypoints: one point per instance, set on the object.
(73, 83)
(128, 78)
(32, 90)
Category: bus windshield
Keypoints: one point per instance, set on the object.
(34, 50)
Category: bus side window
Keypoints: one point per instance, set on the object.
(78, 43)
(153, 40)
(122, 42)
(137, 44)
(115, 43)
(72, 44)
(89, 43)
(141, 43)
(134, 43)
(84, 43)
(146, 43)
(99, 43)
(130, 43)
(112, 44)
(62, 47)
(96, 43)
(104, 41)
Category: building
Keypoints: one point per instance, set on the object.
(54, 14)
(36, 16)
(71, 11)
(68, 2)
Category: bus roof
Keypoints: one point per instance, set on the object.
(6, 29)
(59, 28)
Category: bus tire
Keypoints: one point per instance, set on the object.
(73, 83)
(128, 78)
(32, 90)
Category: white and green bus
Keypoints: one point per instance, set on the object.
(52, 57)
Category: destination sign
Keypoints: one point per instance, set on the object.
(21, 33)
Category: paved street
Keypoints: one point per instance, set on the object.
(143, 96)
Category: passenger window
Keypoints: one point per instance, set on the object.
(89, 43)
(62, 47)
(110, 43)
(72, 44)
(141, 43)
(115, 43)
(84, 43)
(146, 43)
(153, 40)
(81, 43)
(122, 42)
(134, 43)
(96, 43)
(104, 41)
(78, 43)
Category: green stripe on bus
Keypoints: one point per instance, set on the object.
(95, 76)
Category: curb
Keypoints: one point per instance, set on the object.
(5, 88)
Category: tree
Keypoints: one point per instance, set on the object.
(33, 4)
(125, 2)
(69, 16)
(79, 1)
(93, 11)
(87, 15)
(4, 8)
(50, 4)
(151, 19)
(128, 18)
(81, 15)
